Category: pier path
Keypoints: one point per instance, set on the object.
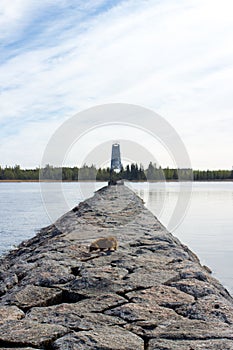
(152, 293)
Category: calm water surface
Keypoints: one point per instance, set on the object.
(206, 228)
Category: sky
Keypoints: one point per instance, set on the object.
(58, 58)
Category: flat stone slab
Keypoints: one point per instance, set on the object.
(162, 295)
(193, 329)
(135, 312)
(210, 307)
(29, 333)
(151, 293)
(10, 313)
(107, 338)
(81, 315)
(160, 344)
(30, 296)
(48, 274)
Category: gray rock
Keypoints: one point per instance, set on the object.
(199, 289)
(9, 313)
(70, 317)
(28, 333)
(75, 315)
(134, 312)
(161, 344)
(103, 338)
(169, 297)
(48, 274)
(7, 281)
(193, 329)
(30, 296)
(209, 308)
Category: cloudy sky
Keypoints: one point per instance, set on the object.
(60, 57)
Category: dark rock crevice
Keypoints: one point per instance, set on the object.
(10, 345)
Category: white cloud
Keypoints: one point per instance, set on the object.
(27, 145)
(173, 57)
(15, 16)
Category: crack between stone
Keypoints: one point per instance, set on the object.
(11, 345)
(110, 308)
(187, 338)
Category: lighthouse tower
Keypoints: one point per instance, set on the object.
(116, 158)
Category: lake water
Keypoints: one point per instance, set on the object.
(207, 227)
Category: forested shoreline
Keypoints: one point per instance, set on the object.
(133, 172)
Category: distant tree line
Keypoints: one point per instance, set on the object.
(133, 172)
(16, 173)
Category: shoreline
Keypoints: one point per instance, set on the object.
(104, 181)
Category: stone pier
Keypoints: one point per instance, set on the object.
(151, 293)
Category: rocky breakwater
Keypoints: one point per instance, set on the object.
(151, 293)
